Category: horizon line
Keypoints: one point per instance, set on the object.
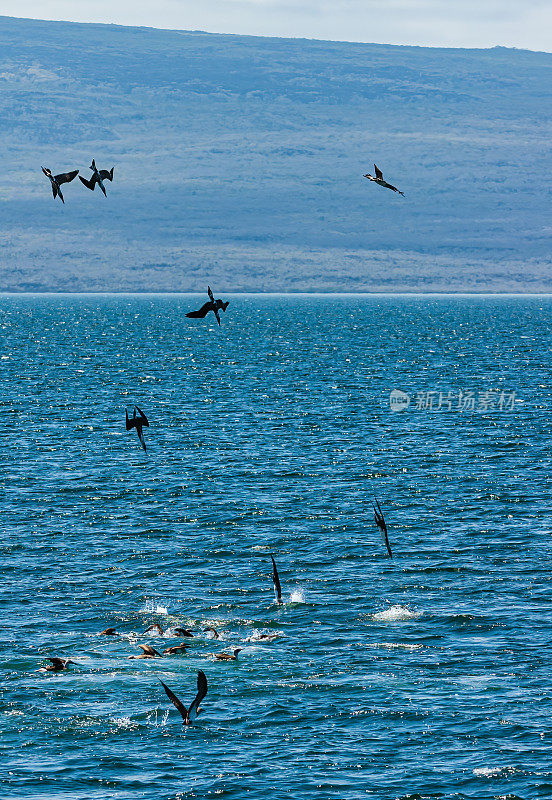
(280, 38)
(147, 293)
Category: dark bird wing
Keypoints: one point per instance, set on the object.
(57, 662)
(202, 312)
(143, 416)
(107, 174)
(148, 650)
(379, 173)
(201, 693)
(155, 627)
(141, 437)
(383, 526)
(66, 177)
(221, 305)
(276, 580)
(214, 307)
(91, 183)
(183, 632)
(393, 188)
(55, 191)
(174, 699)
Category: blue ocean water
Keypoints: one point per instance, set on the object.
(425, 676)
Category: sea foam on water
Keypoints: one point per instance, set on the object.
(395, 613)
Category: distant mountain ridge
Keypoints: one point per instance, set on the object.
(239, 161)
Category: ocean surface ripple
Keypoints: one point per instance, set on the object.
(425, 676)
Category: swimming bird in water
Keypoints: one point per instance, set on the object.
(155, 627)
(147, 652)
(216, 635)
(183, 632)
(276, 581)
(233, 656)
(57, 180)
(98, 177)
(380, 522)
(138, 423)
(178, 648)
(108, 632)
(213, 305)
(379, 180)
(189, 714)
(56, 665)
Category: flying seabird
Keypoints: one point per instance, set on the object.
(155, 627)
(183, 632)
(57, 664)
(147, 652)
(213, 305)
(57, 180)
(229, 656)
(108, 632)
(216, 635)
(98, 177)
(276, 581)
(178, 648)
(379, 180)
(138, 423)
(189, 714)
(380, 522)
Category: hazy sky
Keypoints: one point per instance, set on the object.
(448, 23)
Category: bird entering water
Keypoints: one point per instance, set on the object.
(213, 305)
(156, 627)
(57, 180)
(189, 714)
(209, 629)
(276, 581)
(379, 180)
(108, 632)
(138, 423)
(263, 638)
(380, 522)
(98, 177)
(183, 632)
(56, 665)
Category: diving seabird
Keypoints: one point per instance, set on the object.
(189, 714)
(178, 648)
(229, 656)
(138, 423)
(108, 632)
(183, 632)
(155, 627)
(264, 638)
(57, 180)
(216, 635)
(213, 305)
(379, 180)
(380, 522)
(98, 177)
(147, 652)
(276, 581)
(57, 664)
